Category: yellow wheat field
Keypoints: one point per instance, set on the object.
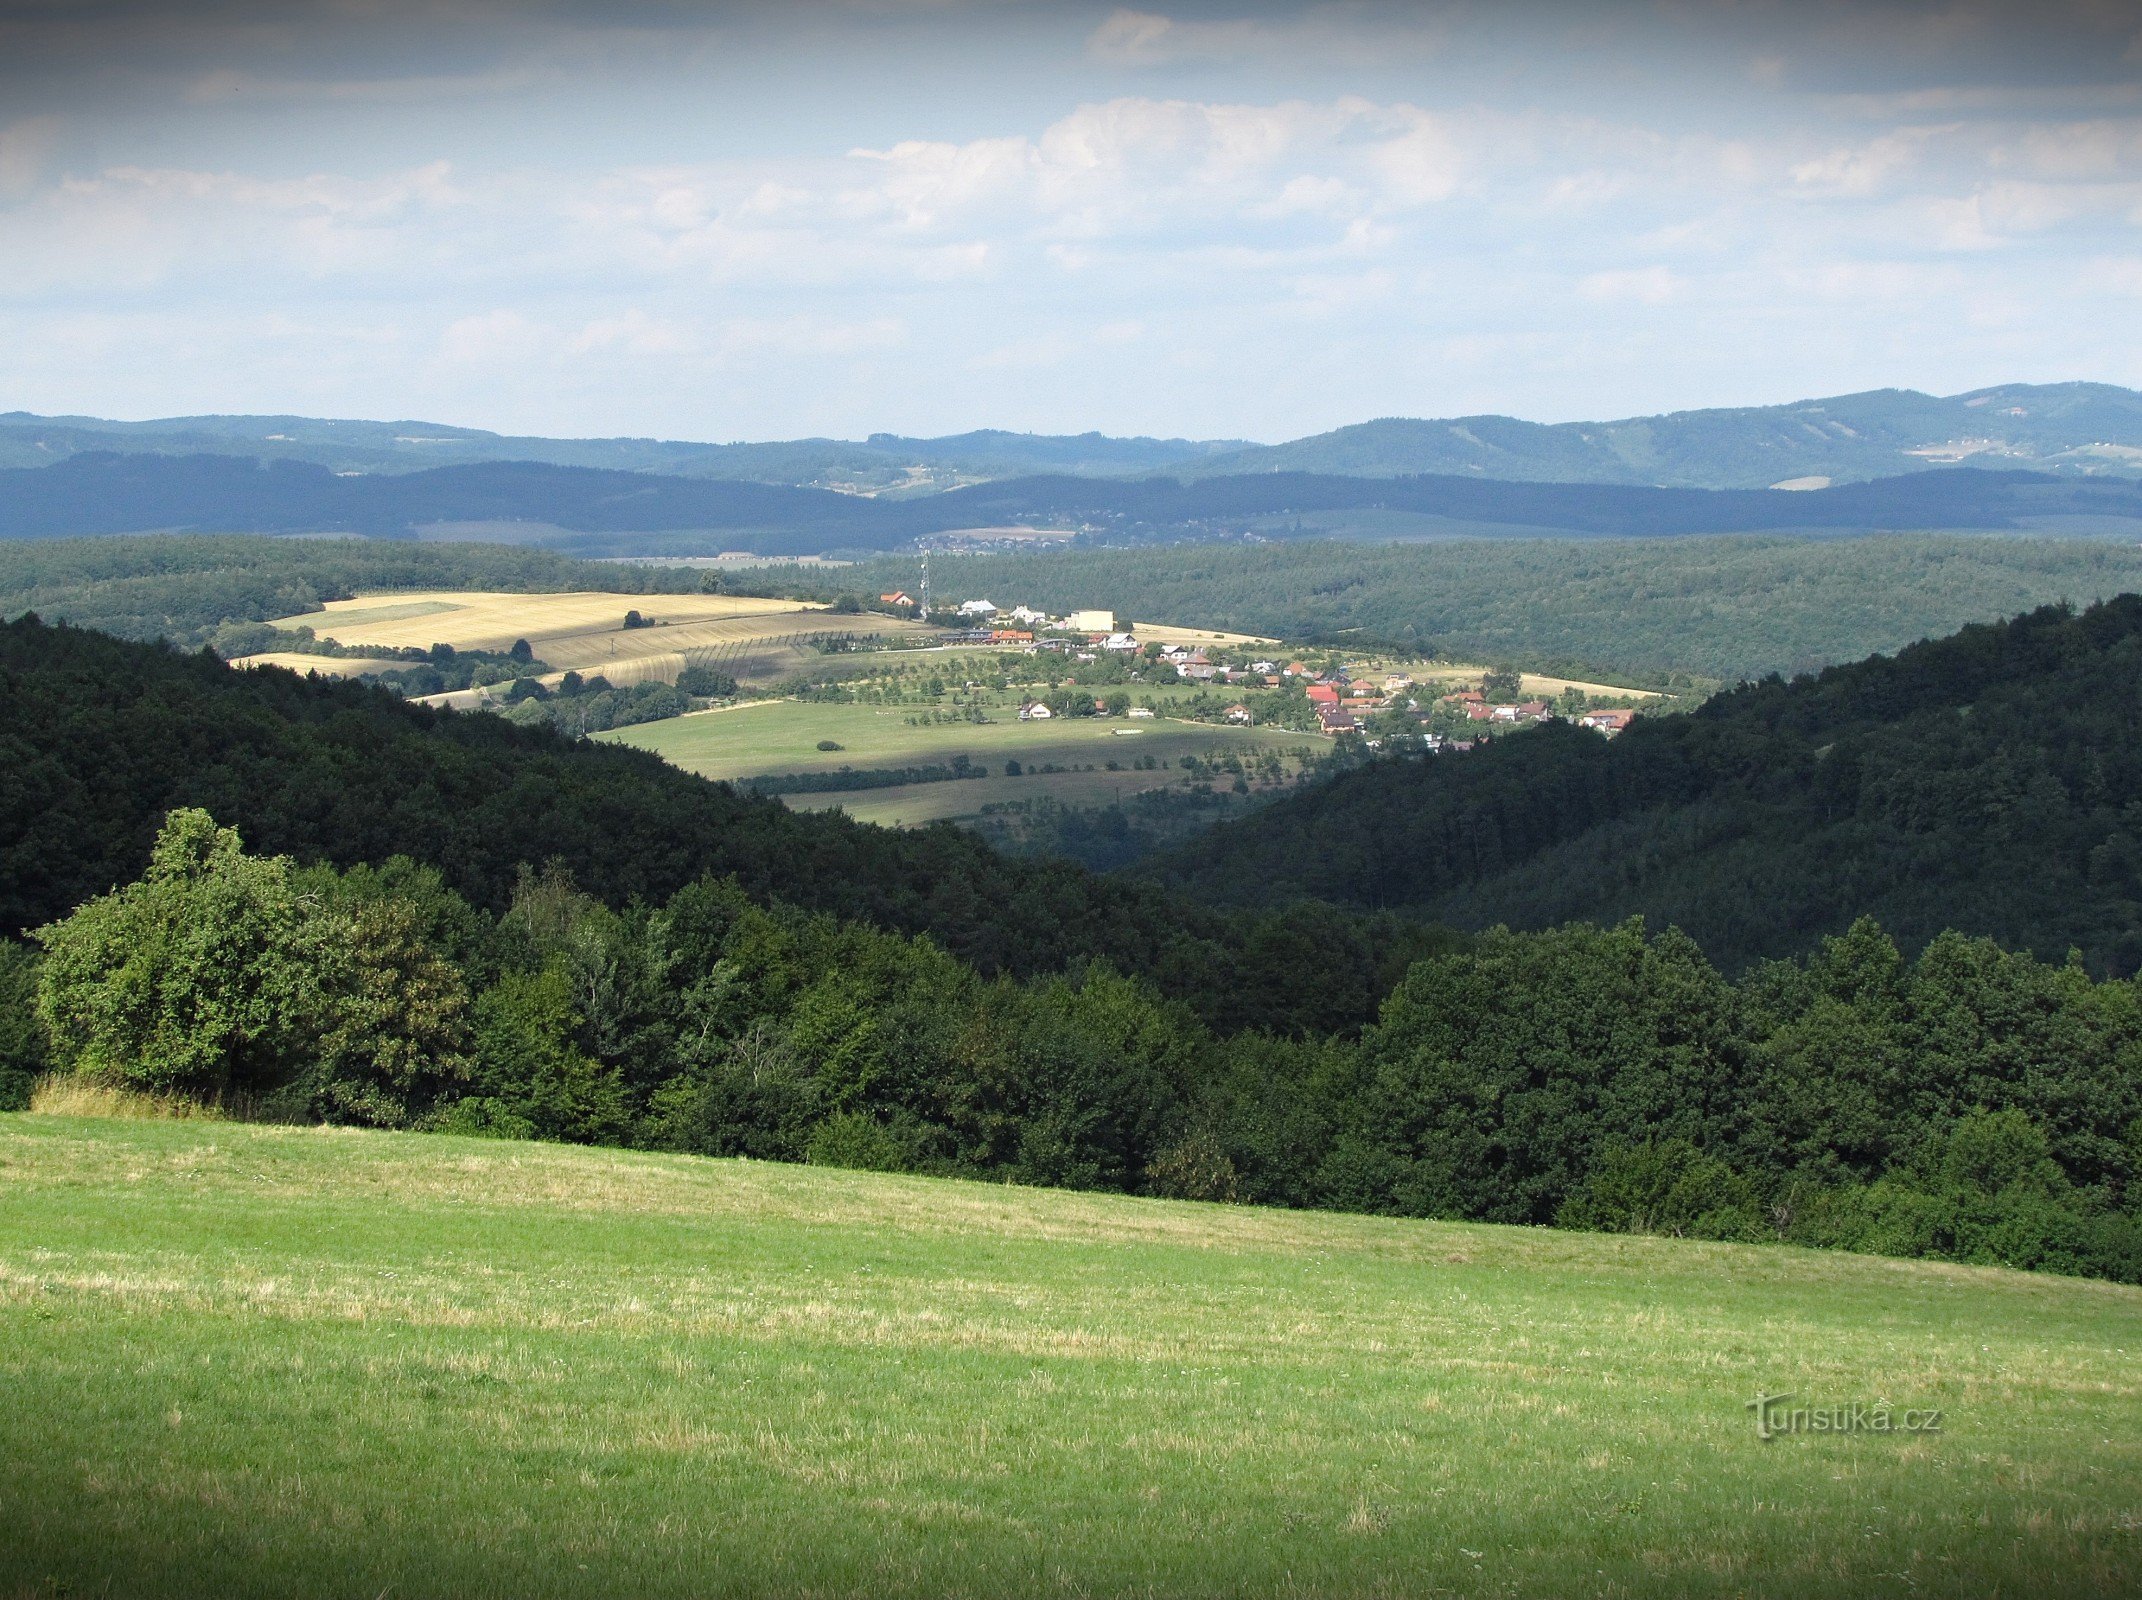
(479, 620)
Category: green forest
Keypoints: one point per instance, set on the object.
(308, 900)
(1594, 1078)
(184, 587)
(1627, 609)
(1991, 781)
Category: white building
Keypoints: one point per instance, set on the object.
(977, 608)
(1091, 622)
(1119, 641)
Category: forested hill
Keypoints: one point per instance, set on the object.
(2063, 427)
(103, 737)
(616, 512)
(1989, 782)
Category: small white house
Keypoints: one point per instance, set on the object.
(1035, 711)
(977, 608)
(1119, 641)
(1140, 711)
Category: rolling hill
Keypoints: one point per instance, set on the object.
(2068, 428)
(598, 511)
(883, 461)
(2072, 429)
(1990, 782)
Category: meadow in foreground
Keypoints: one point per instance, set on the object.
(253, 1360)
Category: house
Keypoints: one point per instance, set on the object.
(1478, 711)
(1027, 616)
(1323, 694)
(1200, 673)
(1393, 682)
(899, 597)
(1010, 636)
(1336, 719)
(1035, 711)
(1237, 713)
(1465, 697)
(1503, 714)
(1263, 668)
(1606, 722)
(977, 608)
(1535, 710)
(1121, 642)
(1101, 622)
(1362, 690)
(1141, 711)
(1297, 669)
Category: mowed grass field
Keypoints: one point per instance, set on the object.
(244, 1360)
(783, 736)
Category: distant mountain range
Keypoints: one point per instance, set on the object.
(884, 464)
(593, 511)
(2067, 429)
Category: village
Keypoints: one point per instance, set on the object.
(1419, 704)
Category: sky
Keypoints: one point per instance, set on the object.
(1255, 221)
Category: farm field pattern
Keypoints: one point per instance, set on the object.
(783, 736)
(248, 1360)
(585, 632)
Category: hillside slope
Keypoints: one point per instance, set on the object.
(2079, 428)
(239, 1356)
(104, 737)
(1728, 608)
(617, 512)
(1989, 782)
(882, 460)
(2066, 428)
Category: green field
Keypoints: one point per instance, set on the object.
(253, 1360)
(783, 736)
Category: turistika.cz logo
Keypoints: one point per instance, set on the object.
(1776, 1416)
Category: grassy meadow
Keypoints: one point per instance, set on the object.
(783, 736)
(258, 1360)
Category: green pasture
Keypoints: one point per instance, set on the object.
(243, 1360)
(783, 736)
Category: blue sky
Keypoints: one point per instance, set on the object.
(756, 221)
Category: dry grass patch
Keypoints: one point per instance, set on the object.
(66, 1094)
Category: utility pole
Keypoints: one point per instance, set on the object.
(925, 583)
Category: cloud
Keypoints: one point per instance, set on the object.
(1340, 34)
(25, 146)
(228, 86)
(1648, 286)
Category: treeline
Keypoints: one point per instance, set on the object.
(184, 588)
(1632, 611)
(1991, 781)
(843, 779)
(1970, 1105)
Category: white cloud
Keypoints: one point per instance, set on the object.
(1648, 286)
(25, 146)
